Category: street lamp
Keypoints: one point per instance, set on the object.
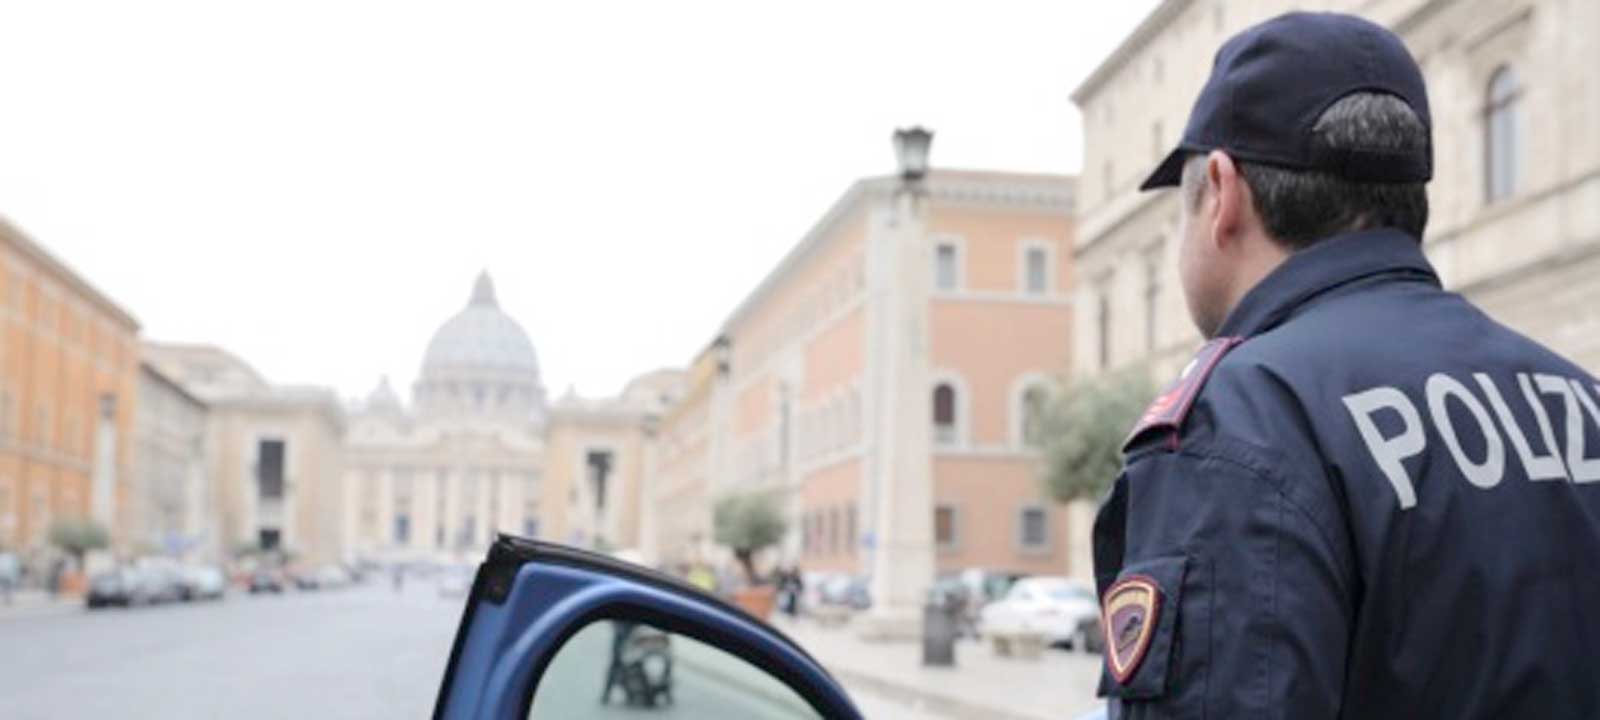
(911, 151)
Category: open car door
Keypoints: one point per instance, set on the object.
(552, 632)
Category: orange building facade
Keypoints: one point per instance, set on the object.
(807, 410)
(69, 369)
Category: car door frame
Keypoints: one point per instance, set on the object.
(514, 649)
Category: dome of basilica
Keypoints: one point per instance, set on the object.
(481, 336)
(481, 362)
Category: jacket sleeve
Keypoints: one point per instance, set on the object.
(1253, 606)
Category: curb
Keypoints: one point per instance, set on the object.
(944, 704)
(36, 610)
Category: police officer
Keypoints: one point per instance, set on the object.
(1363, 498)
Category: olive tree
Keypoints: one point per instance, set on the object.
(747, 524)
(78, 536)
(1082, 430)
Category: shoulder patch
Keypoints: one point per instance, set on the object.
(1169, 408)
(1128, 619)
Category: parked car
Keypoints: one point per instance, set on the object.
(266, 580)
(303, 578)
(1045, 605)
(203, 582)
(851, 591)
(163, 579)
(1091, 637)
(122, 586)
(456, 582)
(981, 586)
(329, 577)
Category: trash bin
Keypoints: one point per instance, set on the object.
(941, 623)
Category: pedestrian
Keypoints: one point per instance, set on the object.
(58, 567)
(790, 586)
(1363, 498)
(10, 575)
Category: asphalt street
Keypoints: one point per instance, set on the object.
(363, 652)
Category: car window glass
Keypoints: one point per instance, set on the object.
(618, 669)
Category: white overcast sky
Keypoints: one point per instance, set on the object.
(314, 185)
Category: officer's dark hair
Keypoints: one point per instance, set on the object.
(1300, 207)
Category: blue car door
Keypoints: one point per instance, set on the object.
(550, 632)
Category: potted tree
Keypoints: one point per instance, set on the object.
(77, 537)
(748, 524)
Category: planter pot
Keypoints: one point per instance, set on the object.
(74, 583)
(758, 601)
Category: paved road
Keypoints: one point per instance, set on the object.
(363, 652)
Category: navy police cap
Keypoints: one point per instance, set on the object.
(1271, 82)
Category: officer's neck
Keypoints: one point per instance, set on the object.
(1256, 255)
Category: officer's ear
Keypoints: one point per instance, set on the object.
(1229, 199)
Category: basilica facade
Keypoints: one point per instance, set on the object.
(435, 478)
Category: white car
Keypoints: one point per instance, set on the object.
(456, 582)
(330, 577)
(1054, 607)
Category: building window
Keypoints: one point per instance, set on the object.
(1502, 155)
(1103, 325)
(8, 412)
(850, 530)
(530, 527)
(1035, 403)
(1033, 531)
(270, 538)
(402, 529)
(832, 525)
(944, 526)
(597, 465)
(1037, 269)
(270, 469)
(1152, 296)
(944, 414)
(945, 267)
(785, 413)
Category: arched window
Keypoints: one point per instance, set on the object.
(1502, 154)
(1035, 403)
(944, 414)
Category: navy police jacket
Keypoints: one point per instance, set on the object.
(1364, 499)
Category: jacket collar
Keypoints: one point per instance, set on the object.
(1326, 265)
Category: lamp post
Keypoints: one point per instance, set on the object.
(901, 466)
(911, 147)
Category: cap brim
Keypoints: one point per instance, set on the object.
(1170, 172)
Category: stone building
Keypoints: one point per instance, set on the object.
(276, 455)
(437, 479)
(681, 460)
(171, 495)
(1515, 221)
(885, 365)
(1515, 200)
(596, 461)
(69, 372)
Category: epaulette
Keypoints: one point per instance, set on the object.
(1167, 412)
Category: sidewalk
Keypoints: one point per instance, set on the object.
(34, 603)
(1059, 685)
